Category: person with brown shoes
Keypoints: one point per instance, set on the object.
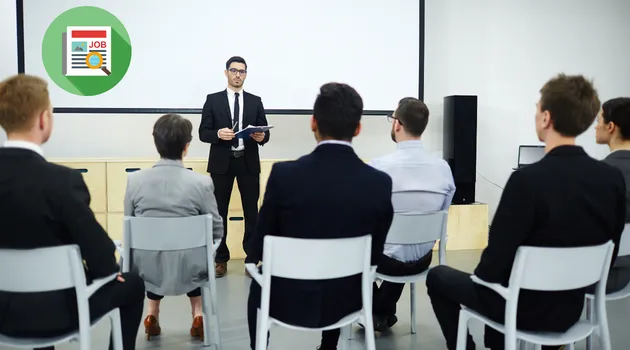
(170, 190)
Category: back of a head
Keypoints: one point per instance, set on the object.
(617, 111)
(171, 134)
(22, 98)
(572, 102)
(413, 116)
(337, 111)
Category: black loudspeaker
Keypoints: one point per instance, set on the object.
(460, 144)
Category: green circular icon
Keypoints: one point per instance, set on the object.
(86, 51)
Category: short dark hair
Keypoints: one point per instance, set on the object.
(617, 110)
(572, 102)
(338, 109)
(413, 115)
(171, 133)
(233, 59)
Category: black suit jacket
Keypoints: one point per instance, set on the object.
(216, 115)
(330, 193)
(567, 199)
(46, 205)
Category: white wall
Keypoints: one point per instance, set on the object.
(504, 51)
(8, 44)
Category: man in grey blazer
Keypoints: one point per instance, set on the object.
(613, 129)
(170, 190)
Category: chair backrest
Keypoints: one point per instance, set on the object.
(165, 234)
(41, 270)
(556, 269)
(417, 228)
(624, 243)
(316, 259)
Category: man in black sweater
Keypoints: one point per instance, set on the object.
(567, 199)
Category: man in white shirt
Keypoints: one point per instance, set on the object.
(422, 183)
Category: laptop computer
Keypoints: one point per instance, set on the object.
(529, 154)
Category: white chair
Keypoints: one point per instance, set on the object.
(624, 249)
(548, 269)
(416, 229)
(22, 271)
(300, 259)
(178, 233)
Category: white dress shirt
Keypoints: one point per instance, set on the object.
(335, 142)
(230, 94)
(421, 183)
(24, 145)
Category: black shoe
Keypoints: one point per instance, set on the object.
(380, 323)
(391, 320)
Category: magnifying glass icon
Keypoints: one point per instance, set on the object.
(94, 60)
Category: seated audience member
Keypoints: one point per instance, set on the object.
(170, 190)
(330, 193)
(47, 205)
(567, 199)
(421, 183)
(613, 129)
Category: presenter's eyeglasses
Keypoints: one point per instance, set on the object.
(233, 71)
(390, 118)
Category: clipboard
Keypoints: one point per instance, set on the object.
(250, 129)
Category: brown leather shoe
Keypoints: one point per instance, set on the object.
(196, 331)
(151, 327)
(220, 269)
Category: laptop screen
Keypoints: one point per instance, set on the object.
(530, 154)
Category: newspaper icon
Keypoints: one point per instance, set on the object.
(87, 51)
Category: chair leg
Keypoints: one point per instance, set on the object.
(343, 344)
(590, 305)
(114, 319)
(262, 330)
(462, 330)
(412, 295)
(215, 316)
(370, 341)
(570, 346)
(207, 313)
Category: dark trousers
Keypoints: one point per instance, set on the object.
(329, 338)
(192, 294)
(249, 187)
(387, 294)
(127, 296)
(448, 289)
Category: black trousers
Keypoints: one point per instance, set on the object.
(329, 338)
(387, 294)
(249, 187)
(191, 294)
(449, 288)
(127, 296)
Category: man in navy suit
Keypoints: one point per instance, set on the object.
(330, 193)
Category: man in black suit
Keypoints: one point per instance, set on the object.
(613, 129)
(225, 113)
(330, 193)
(47, 205)
(567, 199)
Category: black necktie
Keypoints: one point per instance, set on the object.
(237, 110)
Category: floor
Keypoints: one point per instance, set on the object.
(233, 289)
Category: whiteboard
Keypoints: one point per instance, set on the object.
(8, 39)
(291, 47)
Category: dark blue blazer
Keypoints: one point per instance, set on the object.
(330, 193)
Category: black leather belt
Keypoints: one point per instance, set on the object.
(237, 154)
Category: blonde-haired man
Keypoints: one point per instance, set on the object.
(46, 205)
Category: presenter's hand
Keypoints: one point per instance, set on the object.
(258, 136)
(226, 134)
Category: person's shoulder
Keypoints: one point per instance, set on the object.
(251, 96)
(215, 95)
